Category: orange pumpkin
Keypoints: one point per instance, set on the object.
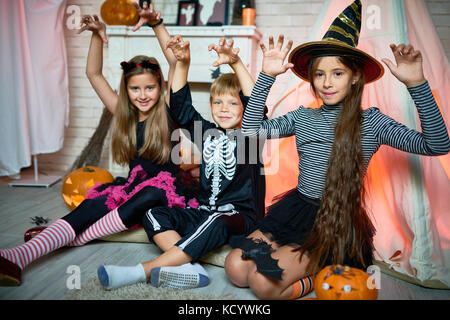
(79, 181)
(119, 12)
(338, 282)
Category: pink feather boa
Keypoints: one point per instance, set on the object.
(117, 195)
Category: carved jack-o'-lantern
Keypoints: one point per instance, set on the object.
(338, 282)
(79, 181)
(119, 12)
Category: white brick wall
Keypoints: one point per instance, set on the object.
(440, 14)
(294, 18)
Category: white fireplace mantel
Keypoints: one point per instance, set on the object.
(125, 44)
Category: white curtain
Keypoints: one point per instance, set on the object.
(408, 195)
(34, 83)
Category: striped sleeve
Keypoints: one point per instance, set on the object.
(253, 124)
(432, 141)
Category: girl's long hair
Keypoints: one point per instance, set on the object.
(342, 226)
(157, 146)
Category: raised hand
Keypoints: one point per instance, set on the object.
(147, 14)
(95, 25)
(273, 58)
(180, 48)
(225, 51)
(409, 69)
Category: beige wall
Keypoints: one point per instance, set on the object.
(294, 18)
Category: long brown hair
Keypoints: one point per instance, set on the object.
(157, 146)
(342, 226)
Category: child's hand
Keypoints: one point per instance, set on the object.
(409, 65)
(147, 14)
(180, 48)
(273, 58)
(227, 54)
(95, 25)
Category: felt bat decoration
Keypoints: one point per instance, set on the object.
(259, 251)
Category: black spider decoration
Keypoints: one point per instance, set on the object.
(215, 73)
(340, 271)
(39, 220)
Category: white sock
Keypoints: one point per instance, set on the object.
(112, 277)
(186, 276)
(198, 268)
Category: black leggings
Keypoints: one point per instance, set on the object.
(131, 212)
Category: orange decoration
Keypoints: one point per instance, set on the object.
(79, 181)
(119, 12)
(248, 16)
(338, 282)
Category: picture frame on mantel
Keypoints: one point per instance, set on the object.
(212, 12)
(187, 13)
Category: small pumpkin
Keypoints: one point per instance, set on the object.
(79, 181)
(338, 282)
(119, 12)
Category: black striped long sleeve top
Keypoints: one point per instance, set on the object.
(314, 132)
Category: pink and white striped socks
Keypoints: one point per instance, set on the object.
(109, 224)
(60, 234)
(57, 235)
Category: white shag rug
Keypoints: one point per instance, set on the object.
(93, 290)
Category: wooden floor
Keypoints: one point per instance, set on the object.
(45, 279)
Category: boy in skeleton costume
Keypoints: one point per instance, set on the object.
(231, 187)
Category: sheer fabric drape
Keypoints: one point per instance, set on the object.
(34, 81)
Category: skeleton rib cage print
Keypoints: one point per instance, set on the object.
(220, 160)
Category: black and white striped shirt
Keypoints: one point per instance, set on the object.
(314, 132)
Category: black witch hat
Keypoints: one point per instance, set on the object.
(341, 39)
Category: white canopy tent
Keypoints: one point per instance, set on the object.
(408, 195)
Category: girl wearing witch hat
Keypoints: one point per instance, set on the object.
(323, 220)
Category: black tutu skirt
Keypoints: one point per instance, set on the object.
(290, 219)
(288, 222)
